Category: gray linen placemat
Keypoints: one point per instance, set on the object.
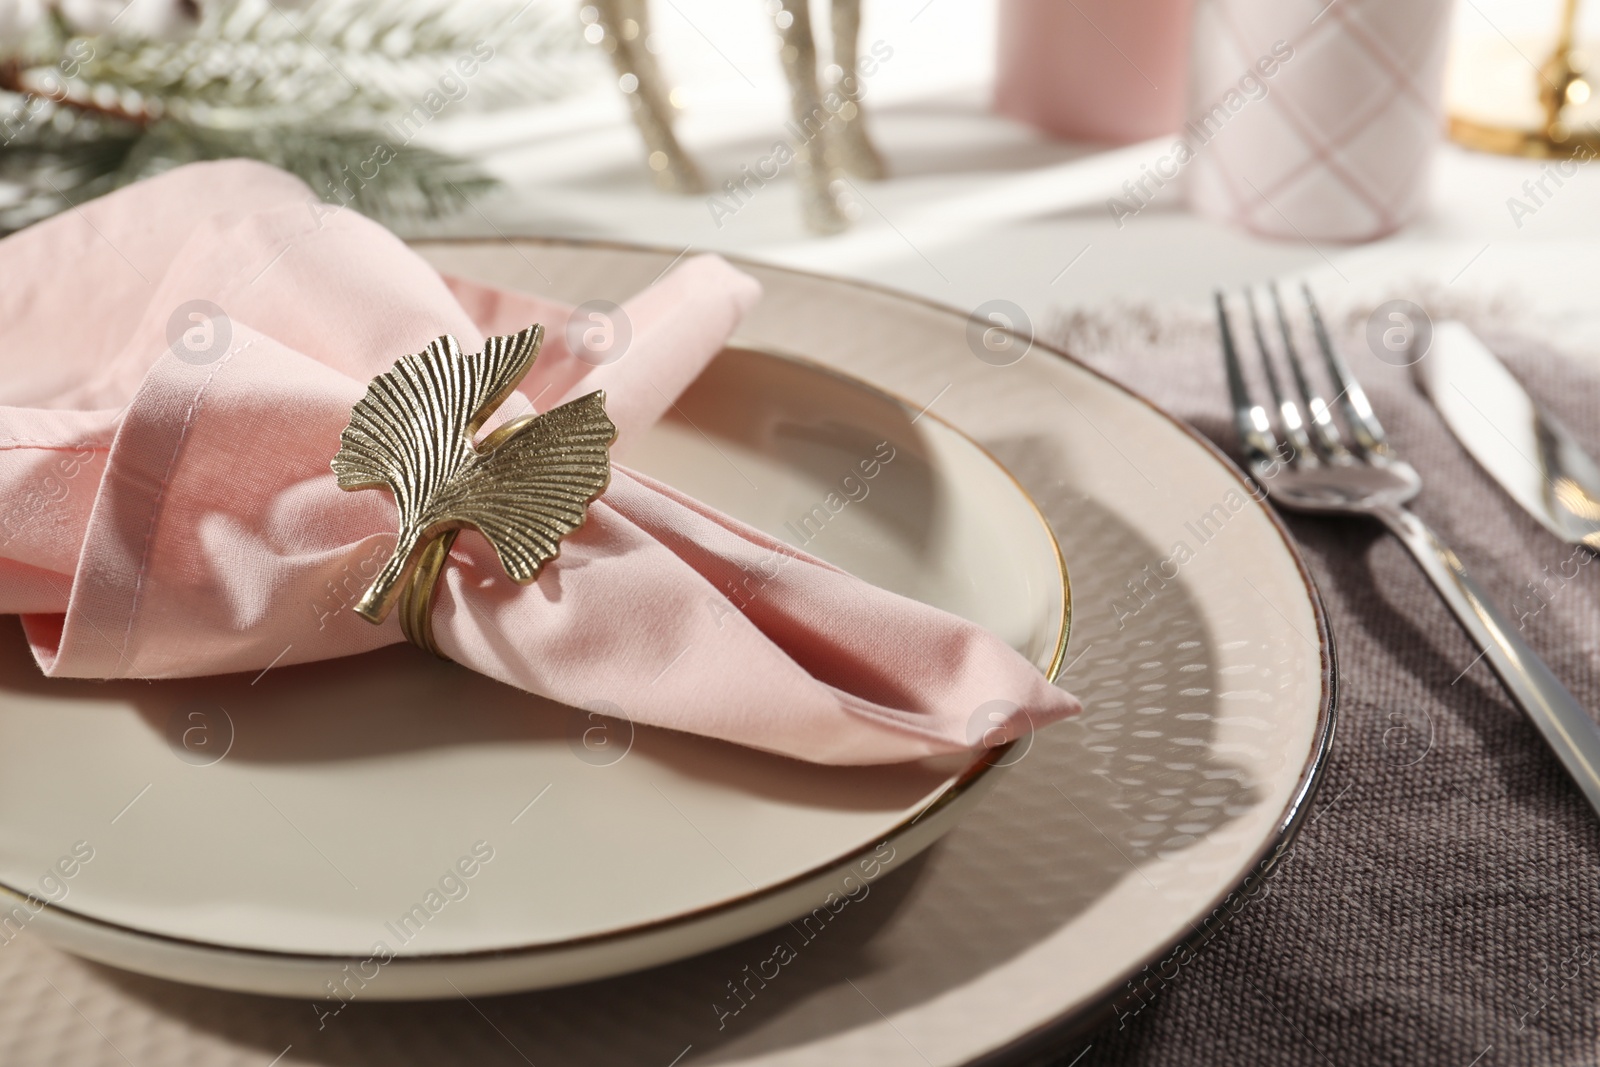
(1442, 904)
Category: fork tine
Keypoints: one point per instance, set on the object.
(1322, 427)
(1364, 425)
(1294, 423)
(1255, 428)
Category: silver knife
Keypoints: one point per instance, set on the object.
(1541, 467)
(1535, 459)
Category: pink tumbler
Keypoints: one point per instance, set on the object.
(1094, 70)
(1315, 121)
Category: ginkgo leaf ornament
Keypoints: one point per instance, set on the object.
(525, 486)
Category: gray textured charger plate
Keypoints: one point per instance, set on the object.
(1200, 651)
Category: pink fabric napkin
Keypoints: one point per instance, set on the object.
(164, 517)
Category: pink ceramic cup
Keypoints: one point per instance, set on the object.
(1315, 121)
(1094, 70)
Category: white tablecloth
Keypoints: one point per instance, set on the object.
(979, 207)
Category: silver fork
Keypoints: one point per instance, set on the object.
(1319, 470)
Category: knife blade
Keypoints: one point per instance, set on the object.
(1527, 450)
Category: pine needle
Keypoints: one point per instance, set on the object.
(351, 57)
(306, 89)
(55, 168)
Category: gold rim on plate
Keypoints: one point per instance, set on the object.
(976, 772)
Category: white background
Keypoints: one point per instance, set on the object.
(979, 207)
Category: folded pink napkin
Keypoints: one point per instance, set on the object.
(164, 516)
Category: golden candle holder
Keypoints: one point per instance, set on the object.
(1491, 108)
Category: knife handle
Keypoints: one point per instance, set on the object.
(1565, 724)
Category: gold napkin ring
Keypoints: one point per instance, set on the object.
(524, 487)
(416, 601)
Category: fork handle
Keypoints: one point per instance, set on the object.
(1566, 726)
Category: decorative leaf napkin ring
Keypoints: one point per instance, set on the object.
(524, 487)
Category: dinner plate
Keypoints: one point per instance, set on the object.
(1207, 677)
(401, 827)
(1200, 651)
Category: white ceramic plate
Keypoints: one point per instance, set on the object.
(1113, 838)
(436, 833)
(1207, 675)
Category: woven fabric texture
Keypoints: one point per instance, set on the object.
(1442, 903)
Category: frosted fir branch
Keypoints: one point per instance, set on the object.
(254, 60)
(27, 26)
(55, 164)
(314, 87)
